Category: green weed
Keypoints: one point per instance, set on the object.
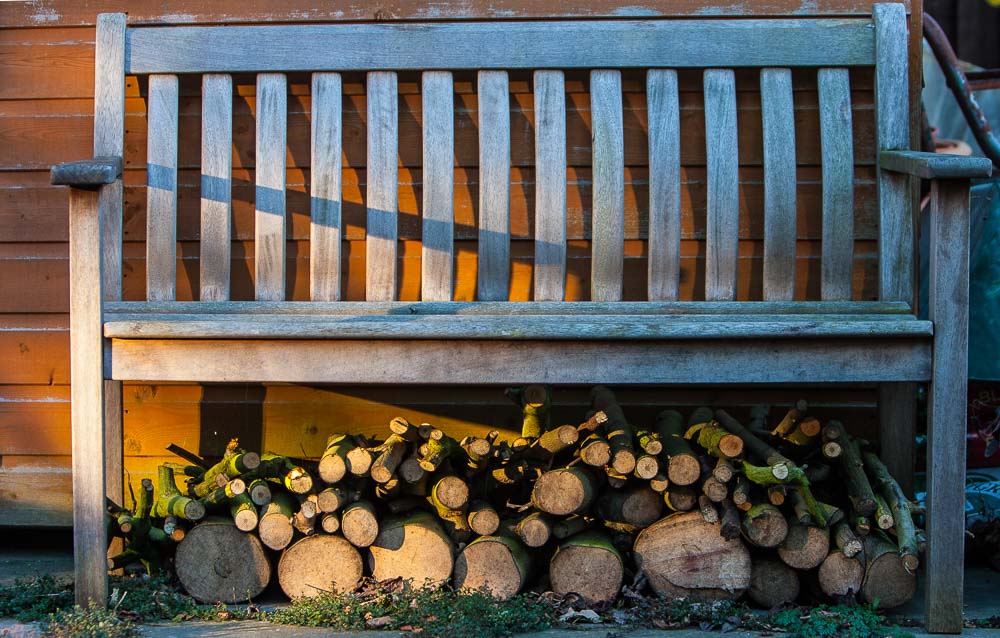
(93, 622)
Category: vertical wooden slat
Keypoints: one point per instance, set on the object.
(778, 119)
(437, 256)
(550, 186)
(722, 160)
(272, 113)
(325, 188)
(109, 140)
(892, 122)
(664, 185)
(608, 146)
(948, 308)
(837, 144)
(216, 185)
(87, 398)
(383, 148)
(161, 189)
(493, 277)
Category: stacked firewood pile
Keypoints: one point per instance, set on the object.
(704, 507)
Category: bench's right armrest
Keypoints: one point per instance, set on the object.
(88, 174)
(935, 165)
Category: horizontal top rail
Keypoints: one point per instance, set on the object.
(585, 44)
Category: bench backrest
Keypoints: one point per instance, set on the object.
(719, 48)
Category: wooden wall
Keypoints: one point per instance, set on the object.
(46, 91)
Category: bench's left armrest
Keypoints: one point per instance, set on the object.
(935, 165)
(89, 174)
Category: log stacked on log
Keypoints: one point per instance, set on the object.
(706, 507)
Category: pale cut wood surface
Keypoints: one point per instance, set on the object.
(325, 188)
(269, 235)
(897, 406)
(550, 186)
(216, 185)
(493, 277)
(837, 142)
(383, 146)
(161, 189)
(109, 140)
(722, 160)
(608, 242)
(948, 308)
(438, 237)
(562, 44)
(778, 119)
(521, 327)
(893, 124)
(663, 113)
(448, 362)
(87, 398)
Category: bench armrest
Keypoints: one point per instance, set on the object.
(935, 165)
(89, 174)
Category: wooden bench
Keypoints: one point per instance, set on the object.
(659, 340)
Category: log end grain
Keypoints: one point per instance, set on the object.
(413, 548)
(561, 492)
(452, 492)
(805, 546)
(646, 467)
(245, 519)
(218, 563)
(888, 581)
(765, 526)
(319, 564)
(683, 469)
(772, 583)
(840, 577)
(332, 468)
(275, 530)
(484, 521)
(642, 506)
(597, 453)
(491, 565)
(594, 573)
(359, 524)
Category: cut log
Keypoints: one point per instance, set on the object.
(649, 442)
(564, 491)
(317, 565)
(410, 470)
(776, 494)
(846, 540)
(217, 563)
(450, 492)
(333, 463)
(224, 494)
(170, 501)
(359, 524)
(499, 565)
(683, 466)
(619, 431)
(715, 439)
(571, 525)
(390, 455)
(805, 546)
(887, 580)
(729, 520)
(840, 576)
(805, 432)
(534, 529)
(244, 513)
(478, 453)
(281, 469)
(589, 565)
(659, 483)
(413, 548)
(359, 460)
(259, 491)
(680, 499)
(595, 421)
(275, 524)
(741, 492)
(646, 467)
(330, 523)
(707, 509)
(404, 429)
(764, 526)
(859, 490)
(883, 516)
(683, 556)
(772, 583)
(715, 490)
(483, 519)
(638, 506)
(899, 505)
(334, 498)
(553, 442)
(595, 450)
(723, 471)
(439, 448)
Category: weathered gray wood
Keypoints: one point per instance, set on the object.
(837, 147)
(515, 327)
(216, 185)
(550, 186)
(325, 188)
(893, 126)
(946, 404)
(437, 262)
(585, 44)
(897, 405)
(161, 189)
(109, 140)
(895, 309)
(778, 118)
(383, 147)
(114, 452)
(87, 399)
(453, 362)
(493, 276)
(608, 225)
(722, 234)
(269, 236)
(87, 173)
(663, 113)
(935, 165)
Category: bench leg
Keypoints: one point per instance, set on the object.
(946, 420)
(897, 408)
(114, 444)
(87, 399)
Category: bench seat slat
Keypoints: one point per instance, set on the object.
(561, 327)
(837, 145)
(269, 234)
(216, 185)
(493, 274)
(550, 186)
(437, 263)
(664, 184)
(383, 146)
(161, 189)
(325, 188)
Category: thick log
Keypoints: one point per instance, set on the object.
(659, 483)
(170, 501)
(319, 564)
(805, 546)
(333, 463)
(680, 499)
(595, 450)
(899, 505)
(764, 526)
(638, 506)
(589, 565)
(840, 576)
(483, 518)
(218, 563)
(887, 580)
(499, 565)
(682, 555)
(534, 529)
(564, 491)
(619, 431)
(683, 466)
(275, 524)
(244, 513)
(414, 548)
(359, 524)
(772, 583)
